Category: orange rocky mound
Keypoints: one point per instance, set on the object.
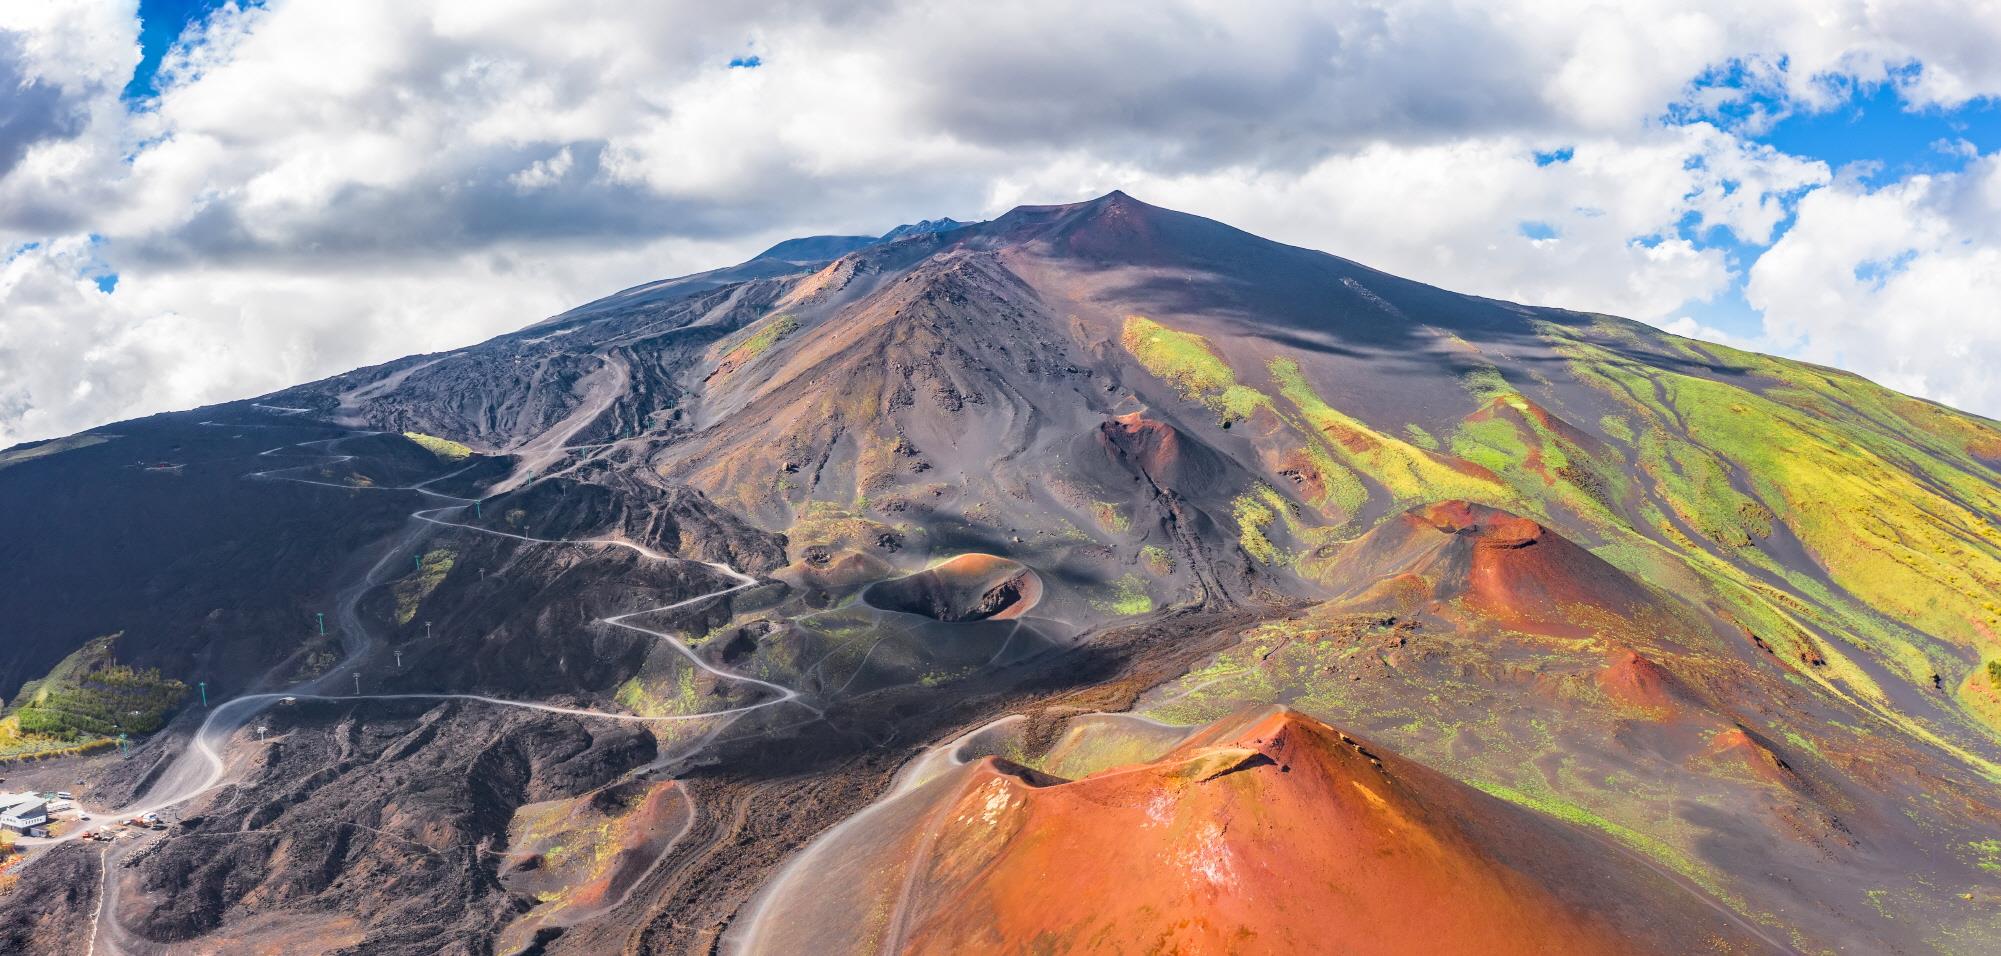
(1641, 684)
(1161, 454)
(1502, 565)
(1737, 746)
(1274, 833)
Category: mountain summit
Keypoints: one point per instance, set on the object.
(935, 592)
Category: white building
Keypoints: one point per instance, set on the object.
(23, 813)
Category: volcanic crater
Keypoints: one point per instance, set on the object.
(969, 587)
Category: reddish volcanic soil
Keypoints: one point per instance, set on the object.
(1737, 746)
(1504, 566)
(1641, 684)
(1272, 833)
(1160, 453)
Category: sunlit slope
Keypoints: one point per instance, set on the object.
(1265, 832)
(1849, 529)
(1734, 612)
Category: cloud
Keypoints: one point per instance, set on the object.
(73, 355)
(32, 111)
(321, 184)
(1899, 283)
(1451, 214)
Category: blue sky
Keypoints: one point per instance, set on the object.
(160, 24)
(1871, 135)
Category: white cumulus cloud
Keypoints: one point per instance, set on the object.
(1901, 283)
(325, 183)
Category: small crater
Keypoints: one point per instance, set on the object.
(970, 587)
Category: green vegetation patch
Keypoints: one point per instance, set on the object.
(1616, 427)
(444, 448)
(758, 338)
(421, 581)
(1110, 517)
(1254, 513)
(1893, 515)
(678, 696)
(1696, 484)
(88, 695)
(1127, 597)
(1486, 383)
(1535, 454)
(1410, 473)
(1987, 854)
(1492, 443)
(1555, 806)
(1189, 363)
(54, 446)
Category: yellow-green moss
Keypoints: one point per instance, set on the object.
(648, 699)
(444, 448)
(1485, 382)
(758, 338)
(1189, 363)
(421, 581)
(1125, 597)
(1882, 518)
(55, 446)
(1110, 517)
(1409, 473)
(87, 696)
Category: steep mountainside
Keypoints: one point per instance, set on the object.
(1657, 646)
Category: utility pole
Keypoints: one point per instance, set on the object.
(427, 630)
(357, 683)
(260, 731)
(204, 693)
(418, 561)
(476, 512)
(399, 658)
(323, 623)
(121, 742)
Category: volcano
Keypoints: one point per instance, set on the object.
(1000, 586)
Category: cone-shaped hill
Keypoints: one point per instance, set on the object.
(1267, 832)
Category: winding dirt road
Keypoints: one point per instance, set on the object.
(202, 766)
